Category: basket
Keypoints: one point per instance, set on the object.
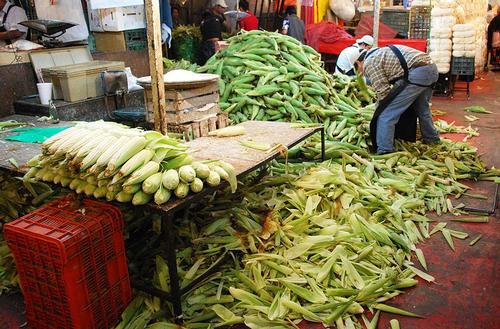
(462, 66)
(420, 22)
(72, 266)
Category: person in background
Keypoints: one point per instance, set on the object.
(402, 78)
(176, 15)
(249, 22)
(494, 38)
(10, 17)
(293, 25)
(349, 56)
(212, 25)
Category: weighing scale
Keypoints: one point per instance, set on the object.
(50, 29)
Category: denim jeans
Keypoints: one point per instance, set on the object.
(414, 95)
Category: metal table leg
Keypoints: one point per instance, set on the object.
(175, 291)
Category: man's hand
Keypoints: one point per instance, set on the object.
(9, 35)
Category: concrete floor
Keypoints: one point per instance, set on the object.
(467, 288)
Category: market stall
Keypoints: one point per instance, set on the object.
(266, 207)
(243, 159)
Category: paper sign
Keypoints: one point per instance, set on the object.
(100, 4)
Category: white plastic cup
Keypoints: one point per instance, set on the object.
(44, 92)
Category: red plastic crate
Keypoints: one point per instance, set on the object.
(72, 266)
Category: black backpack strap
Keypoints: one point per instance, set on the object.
(402, 61)
(340, 70)
(7, 14)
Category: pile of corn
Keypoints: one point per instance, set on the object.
(112, 161)
(269, 76)
(17, 198)
(324, 244)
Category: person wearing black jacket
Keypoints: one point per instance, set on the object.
(212, 25)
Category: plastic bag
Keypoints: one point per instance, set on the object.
(24, 45)
(344, 9)
(132, 80)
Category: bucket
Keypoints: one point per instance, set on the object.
(44, 92)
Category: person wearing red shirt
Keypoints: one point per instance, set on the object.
(250, 22)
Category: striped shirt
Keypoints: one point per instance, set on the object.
(383, 66)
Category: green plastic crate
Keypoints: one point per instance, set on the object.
(136, 39)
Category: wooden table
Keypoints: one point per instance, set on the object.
(229, 149)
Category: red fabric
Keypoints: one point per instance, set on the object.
(324, 32)
(286, 4)
(336, 47)
(250, 22)
(365, 27)
(307, 14)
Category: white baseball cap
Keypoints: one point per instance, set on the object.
(366, 39)
(221, 3)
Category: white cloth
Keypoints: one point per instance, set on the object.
(166, 34)
(347, 58)
(16, 15)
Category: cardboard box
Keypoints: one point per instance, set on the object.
(117, 19)
(109, 42)
(120, 41)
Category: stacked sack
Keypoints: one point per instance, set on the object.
(475, 15)
(464, 40)
(424, 3)
(440, 46)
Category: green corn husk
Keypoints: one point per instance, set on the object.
(170, 179)
(197, 185)
(141, 198)
(152, 183)
(187, 174)
(162, 195)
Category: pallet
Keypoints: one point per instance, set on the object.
(186, 105)
(201, 127)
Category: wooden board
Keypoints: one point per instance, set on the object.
(243, 159)
(193, 114)
(179, 95)
(153, 20)
(200, 127)
(193, 102)
(184, 105)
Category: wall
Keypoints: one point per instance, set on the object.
(16, 81)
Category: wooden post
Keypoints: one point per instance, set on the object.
(376, 22)
(156, 64)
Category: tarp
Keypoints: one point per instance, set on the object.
(327, 32)
(34, 135)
